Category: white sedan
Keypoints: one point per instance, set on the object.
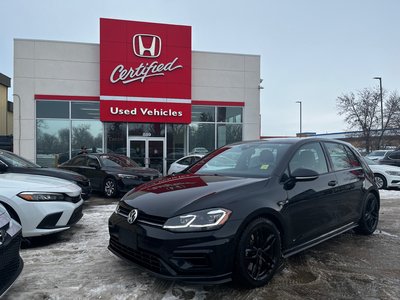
(41, 204)
(183, 163)
(385, 175)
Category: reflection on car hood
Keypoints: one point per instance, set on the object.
(177, 194)
(12, 183)
(60, 173)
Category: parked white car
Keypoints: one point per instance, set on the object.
(377, 154)
(41, 204)
(385, 175)
(183, 163)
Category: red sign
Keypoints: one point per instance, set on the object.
(145, 112)
(139, 59)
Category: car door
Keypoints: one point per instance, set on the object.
(309, 207)
(94, 172)
(350, 179)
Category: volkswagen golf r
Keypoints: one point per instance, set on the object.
(239, 211)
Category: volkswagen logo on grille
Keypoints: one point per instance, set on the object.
(132, 216)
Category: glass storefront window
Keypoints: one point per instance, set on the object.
(116, 139)
(203, 114)
(85, 110)
(201, 137)
(228, 134)
(87, 133)
(52, 142)
(52, 109)
(229, 114)
(146, 130)
(176, 142)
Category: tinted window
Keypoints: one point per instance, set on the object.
(203, 114)
(229, 114)
(52, 109)
(78, 161)
(117, 161)
(309, 156)
(92, 161)
(342, 157)
(248, 160)
(85, 110)
(16, 161)
(186, 161)
(395, 155)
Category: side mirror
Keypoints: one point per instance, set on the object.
(3, 167)
(304, 174)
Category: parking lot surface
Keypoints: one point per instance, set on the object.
(76, 264)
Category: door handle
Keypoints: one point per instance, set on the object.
(332, 183)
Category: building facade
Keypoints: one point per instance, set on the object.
(6, 107)
(141, 92)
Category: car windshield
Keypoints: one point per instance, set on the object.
(16, 161)
(247, 160)
(377, 153)
(370, 161)
(117, 161)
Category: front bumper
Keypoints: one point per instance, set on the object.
(197, 257)
(11, 263)
(43, 218)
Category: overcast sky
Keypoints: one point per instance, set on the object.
(311, 50)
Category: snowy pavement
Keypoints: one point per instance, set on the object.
(76, 264)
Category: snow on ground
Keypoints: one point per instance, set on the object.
(390, 194)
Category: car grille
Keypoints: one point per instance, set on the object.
(124, 210)
(9, 260)
(147, 260)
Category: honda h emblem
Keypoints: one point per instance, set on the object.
(132, 216)
(146, 45)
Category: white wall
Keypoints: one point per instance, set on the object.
(73, 69)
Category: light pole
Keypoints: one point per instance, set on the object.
(300, 115)
(380, 86)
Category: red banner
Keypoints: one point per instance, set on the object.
(145, 112)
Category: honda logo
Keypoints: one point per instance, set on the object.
(132, 216)
(146, 45)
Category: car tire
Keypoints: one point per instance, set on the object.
(380, 181)
(258, 254)
(110, 188)
(370, 216)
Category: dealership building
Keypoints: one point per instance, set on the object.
(141, 92)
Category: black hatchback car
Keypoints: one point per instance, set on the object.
(238, 211)
(12, 163)
(11, 263)
(110, 173)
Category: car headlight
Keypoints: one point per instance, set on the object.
(39, 196)
(394, 173)
(127, 176)
(208, 219)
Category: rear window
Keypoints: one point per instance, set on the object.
(342, 157)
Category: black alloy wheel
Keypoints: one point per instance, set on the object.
(370, 217)
(380, 181)
(258, 253)
(110, 187)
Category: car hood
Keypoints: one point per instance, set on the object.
(141, 171)
(383, 168)
(182, 193)
(59, 173)
(14, 183)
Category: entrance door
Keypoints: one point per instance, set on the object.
(148, 152)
